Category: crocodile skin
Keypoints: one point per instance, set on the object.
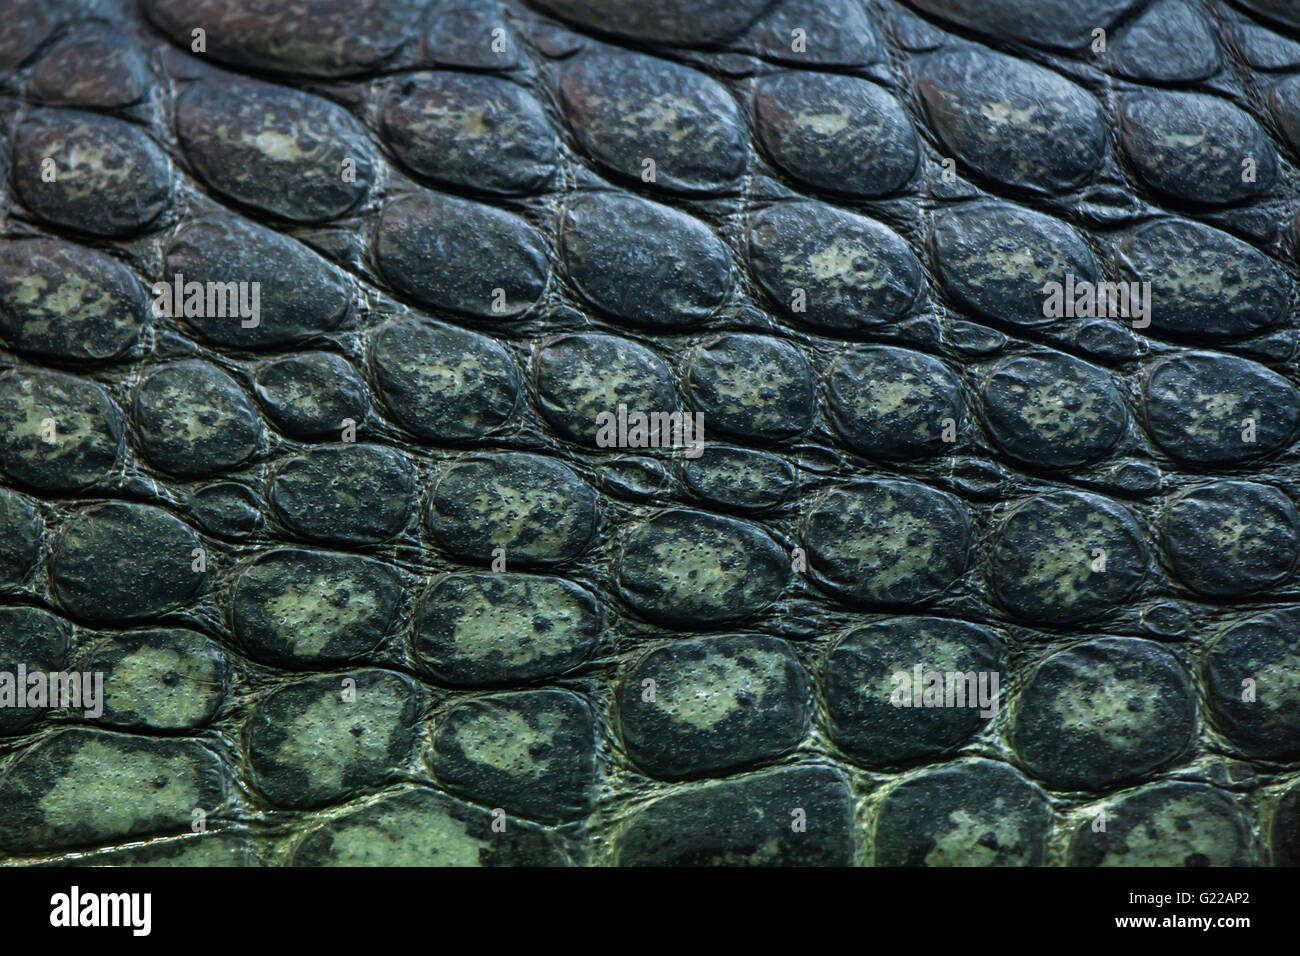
(366, 587)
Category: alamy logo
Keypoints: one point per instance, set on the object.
(651, 430)
(923, 688)
(73, 909)
(214, 300)
(61, 690)
(1098, 300)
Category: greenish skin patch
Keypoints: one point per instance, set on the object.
(1067, 556)
(1034, 267)
(1217, 406)
(84, 787)
(110, 178)
(662, 114)
(892, 403)
(372, 46)
(595, 391)
(479, 637)
(902, 395)
(996, 258)
(693, 708)
(1061, 564)
(1104, 712)
(1061, 410)
(277, 145)
(441, 373)
(508, 741)
(304, 397)
(530, 752)
(60, 300)
(855, 272)
(752, 386)
(73, 297)
(1211, 285)
(1278, 686)
(297, 606)
(474, 629)
(1169, 824)
(312, 394)
(515, 512)
(927, 647)
(407, 837)
(426, 828)
(888, 542)
(331, 735)
(1167, 137)
(624, 108)
(967, 813)
(703, 568)
(1053, 412)
(685, 565)
(537, 510)
(704, 696)
(166, 680)
(441, 382)
(475, 131)
(1013, 121)
(91, 790)
(905, 542)
(836, 132)
(193, 418)
(580, 376)
(308, 616)
(1232, 538)
(839, 265)
(881, 722)
(303, 613)
(314, 741)
(966, 844)
(92, 167)
(280, 151)
(1219, 409)
(57, 432)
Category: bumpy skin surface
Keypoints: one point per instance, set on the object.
(364, 581)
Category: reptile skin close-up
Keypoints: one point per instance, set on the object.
(966, 533)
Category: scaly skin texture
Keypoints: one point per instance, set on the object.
(368, 585)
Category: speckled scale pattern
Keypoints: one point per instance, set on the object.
(364, 583)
